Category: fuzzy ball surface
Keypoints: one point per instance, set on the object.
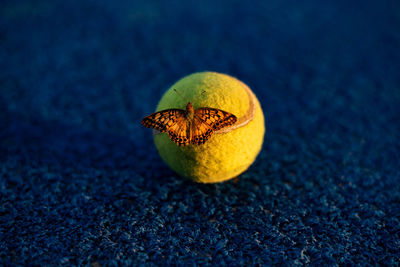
(226, 154)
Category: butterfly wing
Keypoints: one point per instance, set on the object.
(163, 120)
(180, 132)
(208, 120)
(171, 121)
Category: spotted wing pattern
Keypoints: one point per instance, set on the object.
(180, 132)
(171, 121)
(208, 120)
(163, 120)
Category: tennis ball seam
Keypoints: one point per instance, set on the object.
(248, 117)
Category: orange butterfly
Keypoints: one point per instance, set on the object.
(190, 126)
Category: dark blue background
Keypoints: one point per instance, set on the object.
(80, 179)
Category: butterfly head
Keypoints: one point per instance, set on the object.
(189, 107)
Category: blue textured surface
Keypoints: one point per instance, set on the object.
(80, 179)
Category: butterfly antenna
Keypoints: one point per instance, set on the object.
(181, 95)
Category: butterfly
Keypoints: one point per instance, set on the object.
(190, 126)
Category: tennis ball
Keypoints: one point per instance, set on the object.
(228, 152)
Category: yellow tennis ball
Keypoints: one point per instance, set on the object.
(229, 151)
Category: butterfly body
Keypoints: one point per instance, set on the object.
(189, 126)
(189, 114)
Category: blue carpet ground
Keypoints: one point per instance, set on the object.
(81, 182)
